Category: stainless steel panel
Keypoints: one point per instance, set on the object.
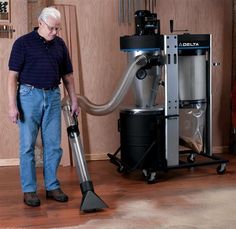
(192, 77)
(171, 100)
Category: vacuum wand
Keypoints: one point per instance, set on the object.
(90, 200)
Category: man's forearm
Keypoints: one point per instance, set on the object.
(70, 87)
(12, 87)
(13, 112)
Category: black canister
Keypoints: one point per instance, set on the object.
(142, 136)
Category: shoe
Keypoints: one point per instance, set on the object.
(57, 195)
(31, 199)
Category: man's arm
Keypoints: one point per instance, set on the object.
(68, 81)
(13, 111)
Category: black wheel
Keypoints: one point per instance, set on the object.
(221, 169)
(121, 169)
(191, 158)
(151, 178)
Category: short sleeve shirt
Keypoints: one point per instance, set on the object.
(38, 62)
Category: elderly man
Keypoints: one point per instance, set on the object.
(38, 62)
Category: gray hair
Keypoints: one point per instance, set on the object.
(49, 12)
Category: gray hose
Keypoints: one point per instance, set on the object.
(117, 96)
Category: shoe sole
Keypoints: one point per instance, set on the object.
(31, 205)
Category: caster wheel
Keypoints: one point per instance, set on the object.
(151, 178)
(145, 173)
(121, 169)
(191, 158)
(221, 169)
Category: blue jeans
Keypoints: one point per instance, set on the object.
(39, 109)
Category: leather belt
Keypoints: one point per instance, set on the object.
(42, 88)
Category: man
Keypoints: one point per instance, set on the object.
(38, 62)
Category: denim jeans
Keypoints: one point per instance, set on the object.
(39, 109)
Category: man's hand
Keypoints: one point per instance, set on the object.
(75, 108)
(68, 81)
(14, 114)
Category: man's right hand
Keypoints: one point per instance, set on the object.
(14, 114)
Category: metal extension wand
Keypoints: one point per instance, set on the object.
(90, 200)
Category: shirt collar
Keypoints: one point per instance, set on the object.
(35, 31)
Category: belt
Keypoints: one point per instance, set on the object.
(42, 88)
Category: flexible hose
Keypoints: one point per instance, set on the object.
(117, 96)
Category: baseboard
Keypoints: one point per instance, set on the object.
(89, 157)
(103, 156)
(220, 149)
(100, 156)
(96, 157)
(9, 162)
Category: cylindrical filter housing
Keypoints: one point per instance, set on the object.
(192, 75)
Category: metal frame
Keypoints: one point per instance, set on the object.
(208, 149)
(170, 90)
(173, 156)
(171, 100)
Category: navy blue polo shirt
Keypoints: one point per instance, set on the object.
(40, 63)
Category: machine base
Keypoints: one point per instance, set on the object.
(142, 146)
(192, 159)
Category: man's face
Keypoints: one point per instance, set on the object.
(49, 29)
